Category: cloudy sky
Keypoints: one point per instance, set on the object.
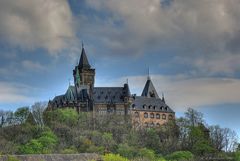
(191, 47)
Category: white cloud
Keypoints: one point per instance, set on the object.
(182, 91)
(31, 24)
(15, 93)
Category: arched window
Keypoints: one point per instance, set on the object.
(157, 116)
(146, 124)
(163, 116)
(152, 115)
(157, 125)
(170, 117)
(152, 124)
(145, 115)
(136, 114)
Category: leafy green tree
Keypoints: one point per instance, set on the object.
(42, 145)
(147, 154)
(108, 141)
(127, 151)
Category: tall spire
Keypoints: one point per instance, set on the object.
(83, 62)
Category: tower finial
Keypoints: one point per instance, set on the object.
(82, 44)
(148, 74)
(69, 81)
(127, 80)
(163, 99)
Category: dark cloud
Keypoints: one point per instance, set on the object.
(191, 29)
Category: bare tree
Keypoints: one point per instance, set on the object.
(223, 139)
(230, 139)
(217, 137)
(194, 117)
(37, 111)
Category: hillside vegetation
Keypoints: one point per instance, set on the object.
(67, 132)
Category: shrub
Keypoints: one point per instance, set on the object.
(126, 151)
(71, 150)
(12, 158)
(180, 156)
(44, 144)
(147, 154)
(114, 157)
(237, 156)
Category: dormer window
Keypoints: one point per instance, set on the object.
(152, 94)
(149, 107)
(144, 106)
(133, 105)
(166, 108)
(154, 107)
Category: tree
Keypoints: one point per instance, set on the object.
(21, 114)
(44, 144)
(37, 112)
(65, 116)
(217, 137)
(223, 139)
(194, 117)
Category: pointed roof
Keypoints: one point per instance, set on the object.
(149, 90)
(70, 94)
(83, 63)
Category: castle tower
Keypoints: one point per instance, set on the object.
(84, 75)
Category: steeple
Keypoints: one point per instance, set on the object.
(149, 90)
(83, 62)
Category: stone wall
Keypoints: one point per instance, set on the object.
(55, 157)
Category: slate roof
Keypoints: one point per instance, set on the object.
(110, 94)
(149, 90)
(100, 94)
(83, 63)
(150, 104)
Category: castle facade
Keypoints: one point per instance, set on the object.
(147, 110)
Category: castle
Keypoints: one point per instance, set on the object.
(147, 110)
